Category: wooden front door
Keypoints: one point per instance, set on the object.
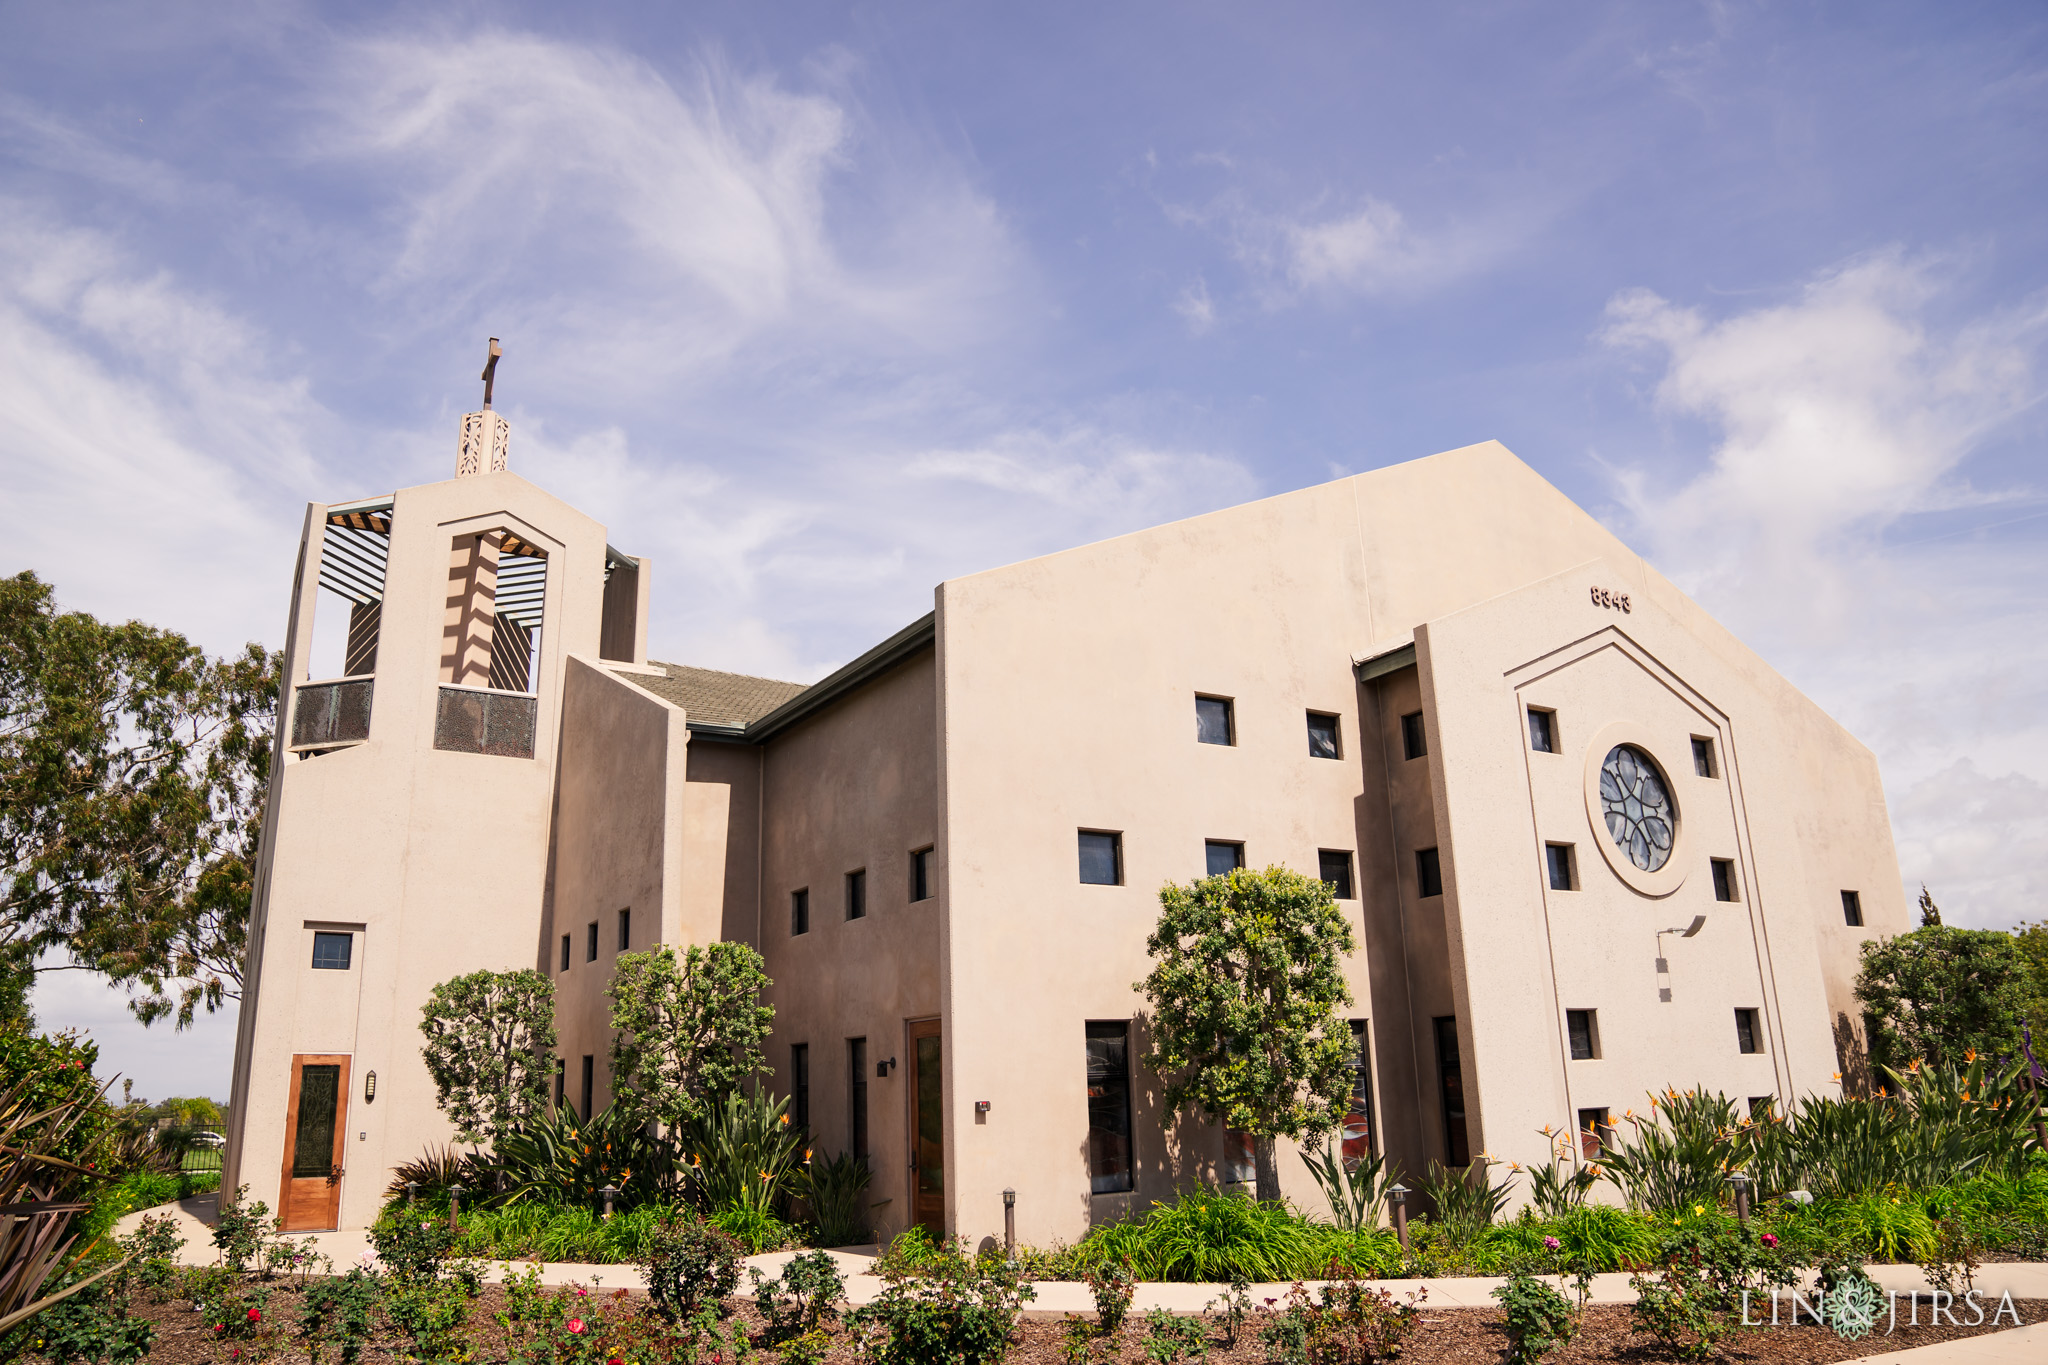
(927, 1129)
(315, 1137)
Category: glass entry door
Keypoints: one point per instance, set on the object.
(928, 1129)
(315, 1137)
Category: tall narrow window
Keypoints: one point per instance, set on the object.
(1543, 731)
(1240, 1157)
(1358, 1140)
(856, 895)
(1595, 1132)
(799, 912)
(1558, 860)
(590, 943)
(1109, 1108)
(1451, 1086)
(1583, 1030)
(1852, 909)
(589, 1085)
(857, 1097)
(561, 1080)
(1213, 721)
(1748, 1037)
(332, 952)
(800, 1086)
(1724, 878)
(626, 930)
(565, 952)
(1102, 858)
(921, 875)
(1413, 745)
(1703, 756)
(1334, 866)
(1222, 858)
(1322, 736)
(1429, 873)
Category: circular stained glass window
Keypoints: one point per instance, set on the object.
(1638, 807)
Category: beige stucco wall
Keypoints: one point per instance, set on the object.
(440, 857)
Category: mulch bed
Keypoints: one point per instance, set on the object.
(1445, 1335)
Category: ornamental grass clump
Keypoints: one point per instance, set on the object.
(1207, 1236)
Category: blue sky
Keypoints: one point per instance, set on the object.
(819, 304)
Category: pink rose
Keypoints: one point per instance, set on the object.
(576, 1326)
(1768, 1240)
(1551, 1244)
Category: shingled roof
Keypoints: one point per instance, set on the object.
(716, 698)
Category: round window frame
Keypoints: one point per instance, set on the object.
(1668, 878)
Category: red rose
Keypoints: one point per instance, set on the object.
(255, 1315)
(576, 1326)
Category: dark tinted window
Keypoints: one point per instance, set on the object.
(1559, 859)
(1746, 1032)
(1322, 736)
(857, 1096)
(590, 943)
(1703, 757)
(1412, 743)
(1358, 1142)
(799, 912)
(1542, 732)
(589, 1085)
(1852, 909)
(1223, 858)
(1101, 859)
(1429, 873)
(1451, 1088)
(313, 1144)
(921, 874)
(1334, 867)
(1594, 1132)
(800, 1085)
(1579, 1025)
(331, 952)
(625, 930)
(1109, 1108)
(1724, 879)
(565, 952)
(856, 894)
(1212, 720)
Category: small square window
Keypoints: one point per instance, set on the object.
(1102, 858)
(1322, 736)
(1748, 1037)
(1335, 868)
(331, 952)
(1724, 878)
(799, 912)
(1543, 731)
(1412, 743)
(1703, 756)
(857, 894)
(590, 943)
(1557, 858)
(565, 952)
(1213, 722)
(1223, 858)
(1429, 873)
(921, 875)
(1595, 1133)
(626, 930)
(1852, 909)
(1582, 1026)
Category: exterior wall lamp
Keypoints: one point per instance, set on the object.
(369, 1087)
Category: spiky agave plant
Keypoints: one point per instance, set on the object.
(560, 1158)
(742, 1153)
(1356, 1194)
(39, 1198)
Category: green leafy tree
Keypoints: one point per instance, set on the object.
(2032, 940)
(133, 770)
(1935, 993)
(1248, 979)
(688, 1030)
(490, 1049)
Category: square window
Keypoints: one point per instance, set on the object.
(1595, 1132)
(800, 1086)
(856, 894)
(1557, 858)
(331, 952)
(626, 930)
(799, 912)
(1102, 858)
(1724, 878)
(1109, 1108)
(565, 952)
(921, 875)
(1223, 859)
(1429, 873)
(1703, 756)
(1852, 909)
(1213, 721)
(1583, 1029)
(1543, 731)
(1322, 736)
(590, 943)
(1334, 866)
(1748, 1037)
(1412, 742)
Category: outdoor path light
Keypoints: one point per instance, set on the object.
(610, 1192)
(1397, 1195)
(1740, 1181)
(1010, 1223)
(412, 1191)
(455, 1207)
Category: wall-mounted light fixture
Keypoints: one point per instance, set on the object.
(882, 1069)
(369, 1087)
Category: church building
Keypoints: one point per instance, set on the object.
(1590, 844)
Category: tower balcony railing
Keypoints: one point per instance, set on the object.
(331, 713)
(485, 720)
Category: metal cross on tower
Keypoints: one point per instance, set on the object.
(490, 374)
